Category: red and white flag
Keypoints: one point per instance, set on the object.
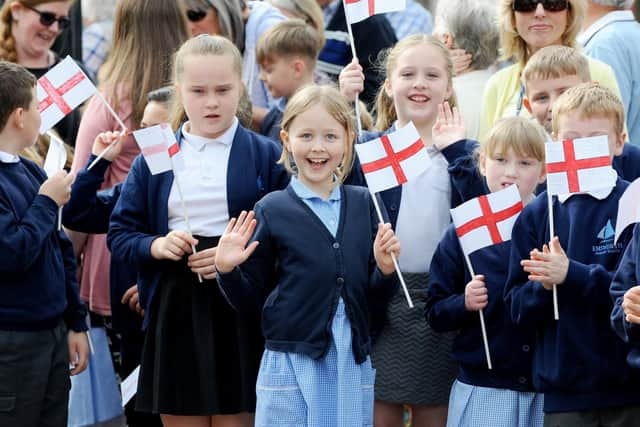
(578, 165)
(628, 208)
(61, 90)
(487, 220)
(358, 10)
(159, 148)
(393, 159)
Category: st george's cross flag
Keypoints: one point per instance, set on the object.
(393, 159)
(579, 165)
(61, 90)
(359, 10)
(487, 220)
(159, 148)
(628, 208)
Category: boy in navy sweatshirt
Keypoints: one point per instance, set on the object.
(41, 316)
(625, 292)
(579, 362)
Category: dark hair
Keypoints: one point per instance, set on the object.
(162, 95)
(16, 90)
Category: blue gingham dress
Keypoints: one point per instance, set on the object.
(474, 406)
(296, 390)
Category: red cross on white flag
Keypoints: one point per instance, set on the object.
(159, 148)
(578, 165)
(358, 10)
(487, 220)
(393, 159)
(60, 91)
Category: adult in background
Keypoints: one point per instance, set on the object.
(414, 19)
(97, 33)
(470, 25)
(242, 22)
(525, 27)
(307, 10)
(371, 36)
(611, 34)
(28, 29)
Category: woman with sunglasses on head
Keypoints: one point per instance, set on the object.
(525, 27)
(242, 22)
(28, 29)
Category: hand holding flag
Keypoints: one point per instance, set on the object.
(485, 221)
(54, 162)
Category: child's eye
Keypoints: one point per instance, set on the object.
(223, 90)
(433, 75)
(305, 136)
(197, 90)
(406, 74)
(500, 159)
(540, 98)
(332, 136)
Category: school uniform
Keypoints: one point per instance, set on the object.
(272, 123)
(578, 362)
(409, 373)
(626, 277)
(39, 300)
(211, 370)
(88, 211)
(627, 164)
(314, 294)
(504, 395)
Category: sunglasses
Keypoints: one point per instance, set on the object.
(548, 5)
(48, 18)
(196, 15)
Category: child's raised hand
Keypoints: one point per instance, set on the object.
(204, 263)
(631, 305)
(548, 267)
(476, 295)
(173, 246)
(351, 80)
(104, 140)
(386, 244)
(58, 187)
(449, 126)
(232, 248)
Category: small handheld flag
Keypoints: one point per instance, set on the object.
(358, 10)
(60, 91)
(159, 148)
(393, 159)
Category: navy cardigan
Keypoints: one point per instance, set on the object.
(141, 214)
(579, 362)
(626, 277)
(301, 270)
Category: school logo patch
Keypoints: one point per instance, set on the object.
(605, 244)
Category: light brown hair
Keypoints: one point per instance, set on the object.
(554, 62)
(524, 136)
(336, 105)
(289, 38)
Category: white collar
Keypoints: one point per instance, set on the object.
(601, 194)
(6, 157)
(198, 142)
(615, 16)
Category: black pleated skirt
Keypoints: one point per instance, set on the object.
(200, 357)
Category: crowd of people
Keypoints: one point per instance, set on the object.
(262, 283)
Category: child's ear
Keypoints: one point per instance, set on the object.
(527, 104)
(387, 88)
(543, 174)
(284, 136)
(482, 160)
(17, 118)
(299, 66)
(622, 138)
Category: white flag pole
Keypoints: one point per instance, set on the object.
(120, 122)
(393, 257)
(556, 313)
(53, 137)
(184, 209)
(353, 52)
(485, 340)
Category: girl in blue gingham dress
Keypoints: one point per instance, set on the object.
(318, 264)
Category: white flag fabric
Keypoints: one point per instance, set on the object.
(56, 157)
(628, 208)
(579, 165)
(393, 159)
(358, 10)
(160, 149)
(487, 220)
(61, 90)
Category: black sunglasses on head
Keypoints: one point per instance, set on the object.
(548, 5)
(196, 15)
(48, 18)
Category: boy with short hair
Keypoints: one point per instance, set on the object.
(579, 362)
(287, 54)
(548, 74)
(39, 299)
